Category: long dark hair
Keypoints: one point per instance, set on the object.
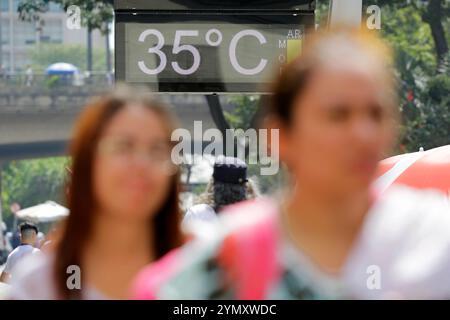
(80, 194)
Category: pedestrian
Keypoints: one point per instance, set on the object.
(228, 185)
(28, 237)
(123, 200)
(28, 76)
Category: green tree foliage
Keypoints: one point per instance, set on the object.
(434, 13)
(95, 14)
(30, 182)
(423, 71)
(74, 54)
(427, 119)
(242, 116)
(244, 109)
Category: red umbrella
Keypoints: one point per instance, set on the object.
(424, 169)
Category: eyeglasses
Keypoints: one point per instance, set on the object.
(127, 149)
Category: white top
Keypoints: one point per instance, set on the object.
(402, 251)
(201, 212)
(198, 221)
(35, 281)
(17, 255)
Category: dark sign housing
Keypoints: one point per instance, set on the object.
(208, 46)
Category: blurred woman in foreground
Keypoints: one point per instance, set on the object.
(123, 202)
(331, 236)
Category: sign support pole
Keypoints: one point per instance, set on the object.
(216, 111)
(345, 12)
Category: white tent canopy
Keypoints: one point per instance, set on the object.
(48, 211)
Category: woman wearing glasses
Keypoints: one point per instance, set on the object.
(123, 201)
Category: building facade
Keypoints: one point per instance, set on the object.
(18, 38)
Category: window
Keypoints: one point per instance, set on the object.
(4, 5)
(24, 33)
(52, 31)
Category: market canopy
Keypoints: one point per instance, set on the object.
(61, 68)
(45, 212)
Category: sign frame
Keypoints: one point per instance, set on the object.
(275, 17)
(215, 5)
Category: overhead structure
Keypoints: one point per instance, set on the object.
(208, 47)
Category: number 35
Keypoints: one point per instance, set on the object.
(177, 48)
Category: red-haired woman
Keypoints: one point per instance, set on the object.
(123, 202)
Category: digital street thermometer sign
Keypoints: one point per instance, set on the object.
(200, 53)
(208, 53)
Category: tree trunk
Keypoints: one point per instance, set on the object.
(89, 49)
(433, 17)
(108, 51)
